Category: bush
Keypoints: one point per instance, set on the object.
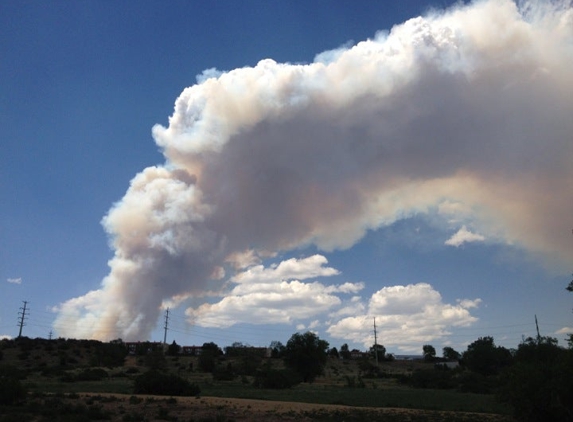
(276, 378)
(433, 379)
(11, 391)
(472, 382)
(224, 374)
(154, 382)
(96, 374)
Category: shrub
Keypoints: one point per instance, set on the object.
(154, 382)
(433, 379)
(472, 382)
(276, 378)
(224, 374)
(11, 391)
(95, 374)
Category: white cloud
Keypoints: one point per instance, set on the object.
(272, 295)
(406, 318)
(5, 337)
(565, 330)
(15, 280)
(462, 236)
(300, 269)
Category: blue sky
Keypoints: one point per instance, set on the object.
(409, 178)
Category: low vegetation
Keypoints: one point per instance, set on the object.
(72, 380)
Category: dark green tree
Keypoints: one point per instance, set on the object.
(277, 349)
(109, 354)
(210, 352)
(485, 358)
(429, 352)
(173, 349)
(450, 354)
(377, 350)
(333, 353)
(539, 385)
(306, 354)
(345, 352)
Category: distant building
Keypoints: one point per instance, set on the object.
(191, 350)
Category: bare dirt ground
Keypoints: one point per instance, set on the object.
(198, 409)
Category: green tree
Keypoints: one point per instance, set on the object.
(109, 354)
(210, 352)
(306, 354)
(485, 358)
(173, 349)
(539, 385)
(377, 350)
(450, 354)
(333, 353)
(277, 349)
(345, 352)
(429, 352)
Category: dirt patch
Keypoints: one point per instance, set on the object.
(197, 409)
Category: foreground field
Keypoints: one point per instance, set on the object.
(82, 407)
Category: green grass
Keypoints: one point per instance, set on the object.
(117, 386)
(364, 397)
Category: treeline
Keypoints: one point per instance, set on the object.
(535, 379)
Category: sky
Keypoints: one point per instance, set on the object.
(261, 168)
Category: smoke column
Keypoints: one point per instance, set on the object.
(472, 105)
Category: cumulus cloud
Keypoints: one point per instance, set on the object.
(15, 280)
(406, 316)
(462, 236)
(274, 295)
(472, 106)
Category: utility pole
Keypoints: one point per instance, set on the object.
(537, 327)
(22, 318)
(166, 325)
(50, 335)
(375, 342)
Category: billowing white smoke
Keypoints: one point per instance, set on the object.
(473, 105)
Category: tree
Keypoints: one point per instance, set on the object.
(377, 350)
(539, 385)
(450, 354)
(485, 358)
(345, 352)
(306, 354)
(208, 358)
(277, 349)
(173, 349)
(333, 353)
(429, 352)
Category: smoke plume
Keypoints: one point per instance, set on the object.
(470, 106)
